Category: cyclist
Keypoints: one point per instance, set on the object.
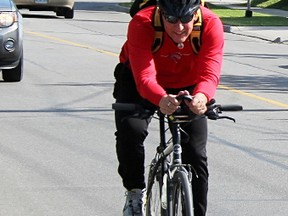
(158, 78)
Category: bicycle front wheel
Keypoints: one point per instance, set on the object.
(154, 188)
(182, 202)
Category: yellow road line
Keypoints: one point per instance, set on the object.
(254, 96)
(114, 54)
(71, 43)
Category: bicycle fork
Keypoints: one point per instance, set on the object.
(177, 159)
(176, 172)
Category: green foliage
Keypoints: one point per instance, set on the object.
(277, 4)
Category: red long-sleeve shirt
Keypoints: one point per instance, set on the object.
(171, 67)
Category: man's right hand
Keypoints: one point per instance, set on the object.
(168, 104)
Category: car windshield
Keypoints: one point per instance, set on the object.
(5, 5)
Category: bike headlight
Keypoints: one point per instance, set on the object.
(7, 18)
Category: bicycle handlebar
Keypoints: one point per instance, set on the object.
(212, 113)
(125, 106)
(230, 107)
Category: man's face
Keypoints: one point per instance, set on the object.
(178, 31)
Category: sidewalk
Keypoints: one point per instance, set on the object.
(274, 34)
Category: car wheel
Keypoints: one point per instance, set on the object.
(59, 13)
(69, 13)
(14, 74)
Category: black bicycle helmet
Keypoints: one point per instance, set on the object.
(179, 8)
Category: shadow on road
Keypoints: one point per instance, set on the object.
(267, 84)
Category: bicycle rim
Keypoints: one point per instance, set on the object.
(182, 195)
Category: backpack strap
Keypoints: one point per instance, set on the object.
(158, 27)
(195, 36)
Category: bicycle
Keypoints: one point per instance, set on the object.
(169, 184)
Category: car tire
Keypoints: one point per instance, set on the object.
(14, 74)
(69, 13)
(59, 13)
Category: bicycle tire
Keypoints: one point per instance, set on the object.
(154, 188)
(182, 203)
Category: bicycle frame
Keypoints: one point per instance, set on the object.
(167, 168)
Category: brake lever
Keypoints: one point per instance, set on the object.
(227, 117)
(214, 111)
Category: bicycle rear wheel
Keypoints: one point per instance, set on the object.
(182, 203)
(154, 188)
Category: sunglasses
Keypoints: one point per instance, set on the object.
(172, 19)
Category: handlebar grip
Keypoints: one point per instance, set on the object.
(124, 106)
(231, 107)
(185, 97)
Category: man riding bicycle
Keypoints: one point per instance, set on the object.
(159, 77)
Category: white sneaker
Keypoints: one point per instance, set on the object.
(134, 205)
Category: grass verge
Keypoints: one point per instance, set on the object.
(276, 4)
(236, 17)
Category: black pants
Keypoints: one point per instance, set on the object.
(130, 137)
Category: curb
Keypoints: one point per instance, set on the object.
(253, 32)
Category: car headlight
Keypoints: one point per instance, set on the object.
(7, 18)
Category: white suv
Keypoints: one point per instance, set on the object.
(61, 7)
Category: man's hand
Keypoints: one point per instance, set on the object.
(198, 104)
(168, 104)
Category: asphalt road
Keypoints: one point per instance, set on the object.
(57, 147)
